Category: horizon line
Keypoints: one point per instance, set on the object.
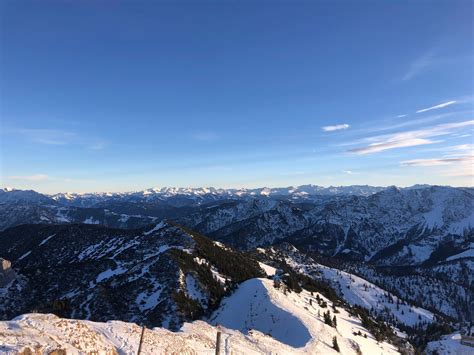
(9, 188)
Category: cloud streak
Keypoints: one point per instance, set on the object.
(337, 127)
(31, 178)
(60, 138)
(457, 167)
(48, 136)
(408, 138)
(395, 143)
(437, 161)
(436, 107)
(45, 178)
(418, 66)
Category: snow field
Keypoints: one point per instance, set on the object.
(256, 319)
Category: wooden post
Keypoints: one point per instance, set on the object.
(218, 343)
(141, 340)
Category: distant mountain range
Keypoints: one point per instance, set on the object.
(137, 209)
(164, 257)
(179, 196)
(393, 226)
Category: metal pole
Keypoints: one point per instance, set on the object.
(141, 341)
(218, 343)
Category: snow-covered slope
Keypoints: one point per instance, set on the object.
(444, 288)
(294, 319)
(159, 276)
(351, 288)
(46, 333)
(20, 211)
(356, 290)
(449, 345)
(8, 195)
(257, 319)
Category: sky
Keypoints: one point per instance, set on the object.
(129, 95)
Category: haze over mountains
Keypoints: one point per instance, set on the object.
(383, 225)
(140, 208)
(398, 262)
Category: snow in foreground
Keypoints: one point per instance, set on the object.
(294, 319)
(256, 319)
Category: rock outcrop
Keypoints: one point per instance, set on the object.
(6, 272)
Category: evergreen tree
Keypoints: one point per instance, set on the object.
(327, 318)
(335, 345)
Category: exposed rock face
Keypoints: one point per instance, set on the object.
(6, 272)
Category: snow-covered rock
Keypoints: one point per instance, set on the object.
(256, 319)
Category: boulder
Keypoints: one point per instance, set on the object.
(6, 272)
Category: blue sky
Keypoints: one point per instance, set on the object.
(119, 96)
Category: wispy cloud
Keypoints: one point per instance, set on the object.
(461, 148)
(436, 161)
(32, 178)
(436, 107)
(45, 178)
(60, 137)
(392, 124)
(397, 142)
(453, 150)
(418, 66)
(349, 172)
(401, 116)
(408, 138)
(48, 136)
(337, 127)
(457, 165)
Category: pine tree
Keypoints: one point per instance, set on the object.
(335, 345)
(327, 318)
